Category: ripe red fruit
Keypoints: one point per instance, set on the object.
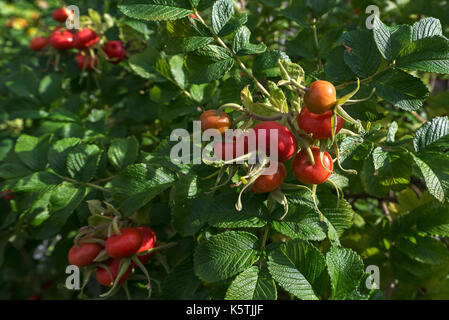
(268, 183)
(105, 279)
(38, 43)
(320, 97)
(85, 38)
(84, 255)
(124, 245)
(114, 51)
(61, 14)
(308, 174)
(61, 40)
(319, 125)
(7, 195)
(81, 60)
(193, 16)
(286, 141)
(148, 242)
(210, 119)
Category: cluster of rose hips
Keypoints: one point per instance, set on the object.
(85, 41)
(105, 252)
(315, 119)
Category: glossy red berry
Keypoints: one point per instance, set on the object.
(85, 38)
(319, 125)
(81, 61)
(105, 279)
(268, 183)
(61, 40)
(84, 254)
(312, 174)
(38, 43)
(286, 142)
(61, 14)
(114, 51)
(320, 97)
(125, 244)
(148, 242)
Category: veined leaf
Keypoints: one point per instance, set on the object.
(225, 254)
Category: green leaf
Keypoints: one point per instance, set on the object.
(430, 218)
(242, 46)
(50, 87)
(296, 266)
(137, 184)
(225, 254)
(233, 24)
(186, 37)
(364, 58)
(318, 7)
(345, 269)
(222, 12)
(426, 27)
(301, 222)
(252, 284)
(252, 215)
(208, 64)
(33, 151)
(424, 249)
(401, 89)
(145, 64)
(64, 200)
(338, 213)
(157, 10)
(82, 162)
(428, 54)
(177, 71)
(390, 41)
(432, 136)
(297, 12)
(435, 181)
(336, 68)
(123, 152)
(392, 169)
(182, 273)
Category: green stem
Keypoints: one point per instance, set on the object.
(238, 61)
(366, 80)
(233, 106)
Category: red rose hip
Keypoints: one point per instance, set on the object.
(114, 51)
(319, 125)
(104, 278)
(61, 40)
(307, 173)
(268, 183)
(85, 38)
(38, 43)
(148, 242)
(125, 244)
